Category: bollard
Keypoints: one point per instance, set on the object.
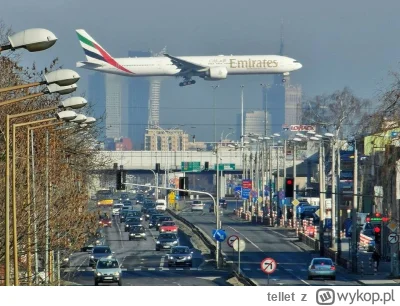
(297, 232)
(370, 263)
(375, 268)
(362, 267)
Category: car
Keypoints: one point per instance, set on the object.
(180, 255)
(134, 213)
(147, 206)
(131, 221)
(116, 209)
(108, 270)
(166, 241)
(197, 205)
(168, 227)
(124, 196)
(161, 205)
(321, 268)
(161, 220)
(223, 204)
(149, 212)
(153, 220)
(99, 252)
(137, 232)
(127, 203)
(105, 222)
(139, 198)
(211, 209)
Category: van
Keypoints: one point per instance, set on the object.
(161, 205)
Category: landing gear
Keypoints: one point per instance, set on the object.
(187, 82)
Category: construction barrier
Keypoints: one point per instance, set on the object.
(365, 241)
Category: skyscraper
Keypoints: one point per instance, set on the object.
(254, 123)
(138, 105)
(113, 105)
(283, 100)
(154, 102)
(97, 100)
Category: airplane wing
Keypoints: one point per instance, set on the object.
(88, 65)
(186, 66)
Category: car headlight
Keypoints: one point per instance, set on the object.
(158, 242)
(175, 242)
(131, 234)
(163, 230)
(92, 257)
(66, 259)
(141, 219)
(189, 257)
(147, 216)
(97, 241)
(98, 274)
(171, 257)
(116, 274)
(143, 234)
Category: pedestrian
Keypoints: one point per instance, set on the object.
(376, 257)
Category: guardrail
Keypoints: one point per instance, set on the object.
(210, 245)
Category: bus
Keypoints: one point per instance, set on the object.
(104, 197)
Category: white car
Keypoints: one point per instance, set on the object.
(197, 205)
(116, 209)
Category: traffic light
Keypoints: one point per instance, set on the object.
(183, 184)
(289, 187)
(206, 165)
(119, 180)
(377, 233)
(123, 186)
(157, 167)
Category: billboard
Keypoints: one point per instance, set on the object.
(302, 128)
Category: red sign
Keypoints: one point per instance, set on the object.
(268, 265)
(302, 128)
(247, 184)
(231, 240)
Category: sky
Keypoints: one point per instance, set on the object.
(339, 43)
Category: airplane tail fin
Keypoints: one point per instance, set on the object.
(93, 51)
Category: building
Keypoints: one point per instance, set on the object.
(254, 123)
(123, 144)
(113, 105)
(138, 105)
(97, 100)
(283, 100)
(166, 140)
(154, 103)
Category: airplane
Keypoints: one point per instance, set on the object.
(209, 68)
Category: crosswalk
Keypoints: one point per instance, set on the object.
(69, 270)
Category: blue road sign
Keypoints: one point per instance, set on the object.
(219, 235)
(238, 189)
(245, 193)
(348, 227)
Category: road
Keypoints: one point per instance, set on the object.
(262, 242)
(142, 265)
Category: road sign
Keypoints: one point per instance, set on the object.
(295, 202)
(231, 240)
(246, 188)
(393, 238)
(239, 245)
(222, 167)
(219, 235)
(392, 226)
(268, 265)
(190, 167)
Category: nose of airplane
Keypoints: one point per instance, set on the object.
(299, 65)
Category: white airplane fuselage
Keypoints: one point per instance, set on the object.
(235, 65)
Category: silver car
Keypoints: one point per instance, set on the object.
(116, 209)
(108, 270)
(321, 268)
(180, 255)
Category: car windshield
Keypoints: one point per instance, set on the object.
(101, 250)
(138, 229)
(133, 220)
(155, 217)
(322, 261)
(109, 264)
(168, 224)
(167, 236)
(118, 206)
(162, 219)
(180, 251)
(196, 202)
(134, 213)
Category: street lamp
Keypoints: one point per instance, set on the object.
(214, 87)
(32, 40)
(242, 118)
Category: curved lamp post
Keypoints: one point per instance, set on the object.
(32, 40)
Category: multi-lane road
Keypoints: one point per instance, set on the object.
(143, 265)
(262, 242)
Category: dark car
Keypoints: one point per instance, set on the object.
(161, 220)
(124, 196)
(147, 206)
(140, 198)
(180, 255)
(149, 213)
(127, 203)
(128, 214)
(153, 220)
(137, 232)
(123, 212)
(99, 252)
(166, 241)
(223, 204)
(131, 222)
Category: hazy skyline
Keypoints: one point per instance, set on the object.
(339, 43)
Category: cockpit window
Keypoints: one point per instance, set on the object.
(295, 61)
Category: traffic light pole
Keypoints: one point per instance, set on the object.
(294, 179)
(354, 233)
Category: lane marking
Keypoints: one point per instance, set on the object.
(120, 235)
(179, 269)
(162, 262)
(290, 270)
(258, 248)
(151, 269)
(137, 269)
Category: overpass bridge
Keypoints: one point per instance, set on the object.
(172, 160)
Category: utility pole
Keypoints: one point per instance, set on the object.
(333, 196)
(294, 178)
(270, 184)
(35, 234)
(321, 197)
(354, 232)
(242, 120)
(218, 248)
(47, 212)
(215, 115)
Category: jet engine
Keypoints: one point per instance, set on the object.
(216, 73)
